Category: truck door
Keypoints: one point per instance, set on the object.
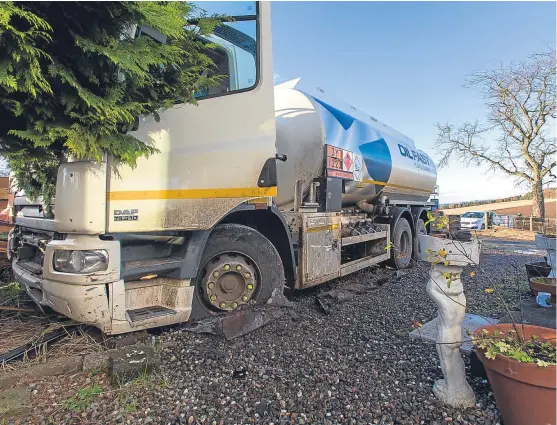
(211, 155)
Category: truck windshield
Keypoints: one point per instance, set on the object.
(236, 52)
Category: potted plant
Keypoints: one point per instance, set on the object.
(520, 365)
(543, 284)
(537, 269)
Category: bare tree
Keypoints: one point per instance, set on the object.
(521, 105)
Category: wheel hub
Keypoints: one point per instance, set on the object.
(230, 281)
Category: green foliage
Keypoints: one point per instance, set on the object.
(438, 221)
(440, 257)
(82, 399)
(131, 407)
(508, 344)
(9, 293)
(74, 76)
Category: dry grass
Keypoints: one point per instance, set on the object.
(17, 331)
(504, 233)
(20, 328)
(77, 342)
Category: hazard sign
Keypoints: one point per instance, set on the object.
(339, 163)
(358, 172)
(347, 162)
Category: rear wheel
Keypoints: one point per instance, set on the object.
(239, 266)
(402, 241)
(420, 230)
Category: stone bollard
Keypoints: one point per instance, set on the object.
(445, 288)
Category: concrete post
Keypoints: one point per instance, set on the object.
(531, 223)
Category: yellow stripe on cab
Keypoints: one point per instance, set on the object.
(233, 192)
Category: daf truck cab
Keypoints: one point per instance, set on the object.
(256, 189)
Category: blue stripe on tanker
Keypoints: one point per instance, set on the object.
(376, 154)
(379, 163)
(343, 118)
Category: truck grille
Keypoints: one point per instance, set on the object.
(31, 267)
(28, 246)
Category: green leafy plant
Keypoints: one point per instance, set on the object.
(75, 76)
(439, 221)
(450, 277)
(437, 257)
(82, 399)
(131, 407)
(509, 344)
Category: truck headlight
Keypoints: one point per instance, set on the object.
(67, 261)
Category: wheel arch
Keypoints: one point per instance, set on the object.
(269, 222)
(412, 215)
(403, 212)
(420, 213)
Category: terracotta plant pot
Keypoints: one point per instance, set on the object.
(537, 269)
(542, 284)
(524, 392)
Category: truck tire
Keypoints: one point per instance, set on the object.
(239, 266)
(420, 230)
(402, 241)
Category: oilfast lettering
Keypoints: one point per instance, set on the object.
(413, 155)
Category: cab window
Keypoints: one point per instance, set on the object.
(236, 52)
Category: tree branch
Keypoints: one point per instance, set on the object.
(548, 169)
(461, 144)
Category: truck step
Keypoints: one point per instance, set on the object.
(149, 312)
(137, 268)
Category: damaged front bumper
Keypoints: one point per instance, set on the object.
(86, 298)
(99, 298)
(83, 303)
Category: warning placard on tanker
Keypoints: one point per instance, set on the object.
(340, 163)
(358, 165)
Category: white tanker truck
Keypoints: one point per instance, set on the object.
(255, 189)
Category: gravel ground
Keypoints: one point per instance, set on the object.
(356, 365)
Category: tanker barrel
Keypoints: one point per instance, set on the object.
(389, 163)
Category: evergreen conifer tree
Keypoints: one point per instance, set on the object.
(74, 77)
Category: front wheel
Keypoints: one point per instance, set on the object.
(402, 241)
(239, 266)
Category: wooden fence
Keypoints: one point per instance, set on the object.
(533, 224)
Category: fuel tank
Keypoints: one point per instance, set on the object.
(307, 119)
